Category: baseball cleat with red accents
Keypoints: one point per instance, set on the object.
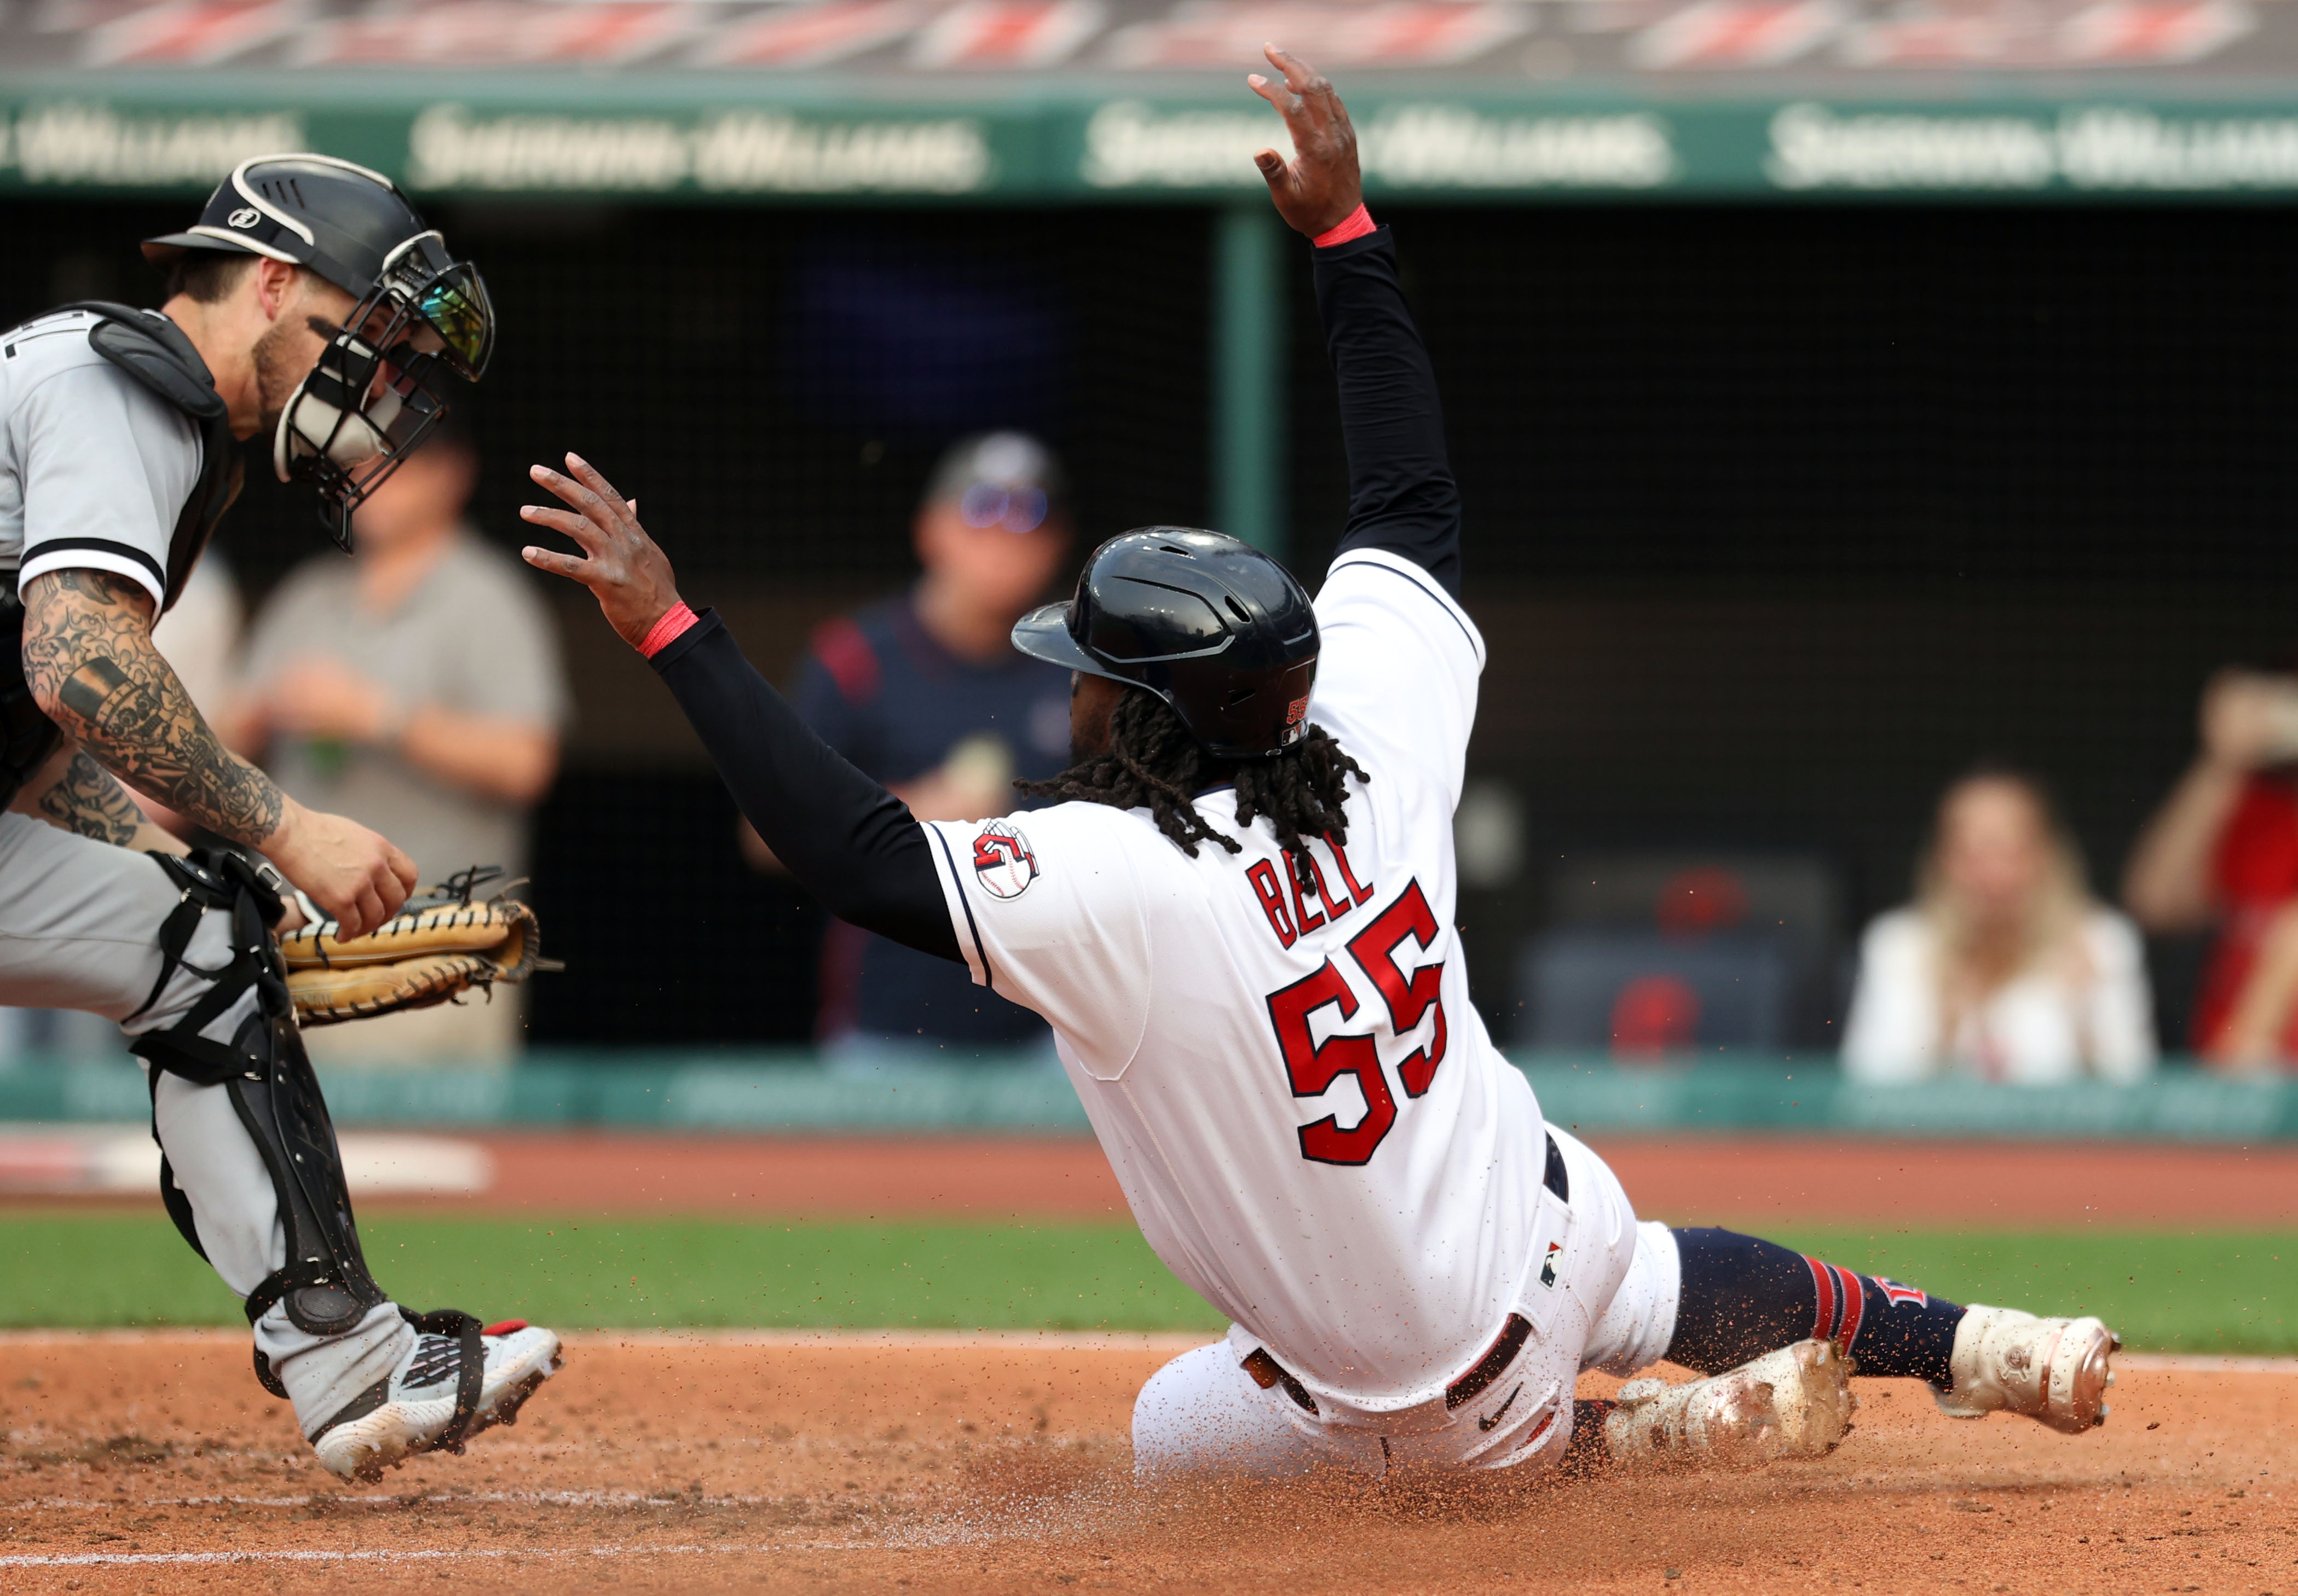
(457, 1380)
(1795, 1403)
(2052, 1369)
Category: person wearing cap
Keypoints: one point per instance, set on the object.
(312, 307)
(926, 693)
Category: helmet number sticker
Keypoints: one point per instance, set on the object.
(1002, 860)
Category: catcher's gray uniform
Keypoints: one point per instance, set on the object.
(96, 469)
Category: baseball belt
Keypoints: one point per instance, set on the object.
(1267, 1373)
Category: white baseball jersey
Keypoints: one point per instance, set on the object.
(95, 467)
(1308, 1118)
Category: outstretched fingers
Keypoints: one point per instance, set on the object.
(1274, 167)
(1298, 74)
(625, 571)
(567, 525)
(1319, 101)
(589, 476)
(556, 563)
(1279, 93)
(581, 497)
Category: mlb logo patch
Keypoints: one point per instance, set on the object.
(1548, 1265)
(1002, 860)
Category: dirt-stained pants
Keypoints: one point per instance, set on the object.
(1203, 1413)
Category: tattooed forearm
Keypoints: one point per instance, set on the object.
(88, 654)
(86, 800)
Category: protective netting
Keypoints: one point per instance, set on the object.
(775, 384)
(1861, 393)
(1778, 515)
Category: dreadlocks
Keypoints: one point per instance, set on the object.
(1154, 762)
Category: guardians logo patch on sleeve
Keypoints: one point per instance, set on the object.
(1002, 860)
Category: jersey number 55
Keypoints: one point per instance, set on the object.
(1313, 1068)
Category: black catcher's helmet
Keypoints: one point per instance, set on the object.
(378, 388)
(1211, 625)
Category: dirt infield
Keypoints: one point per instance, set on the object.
(135, 1465)
(1683, 1179)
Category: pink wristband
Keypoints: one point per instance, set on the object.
(1355, 225)
(667, 630)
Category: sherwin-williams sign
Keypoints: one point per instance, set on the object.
(1132, 147)
(455, 147)
(759, 100)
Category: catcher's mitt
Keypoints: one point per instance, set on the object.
(443, 942)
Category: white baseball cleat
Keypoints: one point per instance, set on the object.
(1795, 1403)
(434, 1400)
(2052, 1370)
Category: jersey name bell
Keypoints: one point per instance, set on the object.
(1308, 1118)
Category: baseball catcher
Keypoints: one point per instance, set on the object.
(311, 305)
(1239, 923)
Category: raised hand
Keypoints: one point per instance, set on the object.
(625, 571)
(1321, 187)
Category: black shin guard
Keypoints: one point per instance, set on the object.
(323, 1285)
(1743, 1297)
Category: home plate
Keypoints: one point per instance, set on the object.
(52, 1160)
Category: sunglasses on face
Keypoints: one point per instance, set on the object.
(988, 504)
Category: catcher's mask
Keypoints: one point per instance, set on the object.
(1213, 626)
(379, 386)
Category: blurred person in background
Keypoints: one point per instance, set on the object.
(2005, 968)
(2222, 853)
(417, 687)
(927, 694)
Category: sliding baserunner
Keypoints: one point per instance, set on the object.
(1239, 924)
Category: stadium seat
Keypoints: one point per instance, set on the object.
(1650, 956)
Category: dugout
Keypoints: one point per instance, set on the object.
(1837, 403)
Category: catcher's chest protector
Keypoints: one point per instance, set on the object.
(155, 352)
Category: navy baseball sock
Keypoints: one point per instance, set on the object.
(1743, 1297)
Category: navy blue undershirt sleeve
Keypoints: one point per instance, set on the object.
(1402, 495)
(846, 839)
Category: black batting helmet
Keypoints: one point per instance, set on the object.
(376, 391)
(1211, 625)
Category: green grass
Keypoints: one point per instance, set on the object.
(100, 1270)
(2212, 1291)
(2209, 1290)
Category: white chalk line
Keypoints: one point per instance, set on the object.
(2205, 1363)
(408, 1554)
(1062, 1340)
(552, 1499)
(1065, 1341)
